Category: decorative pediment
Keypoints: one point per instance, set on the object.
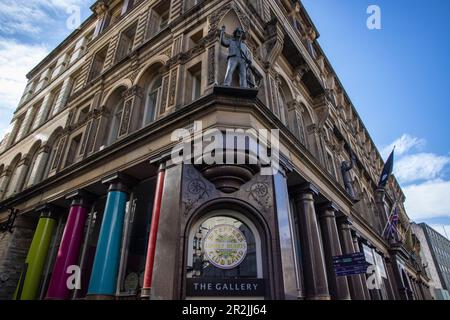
(230, 9)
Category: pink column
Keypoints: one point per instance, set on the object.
(70, 246)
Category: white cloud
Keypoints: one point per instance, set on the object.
(32, 17)
(442, 229)
(428, 200)
(421, 166)
(16, 60)
(402, 145)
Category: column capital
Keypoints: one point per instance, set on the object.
(306, 187)
(343, 219)
(80, 197)
(327, 206)
(119, 181)
(48, 210)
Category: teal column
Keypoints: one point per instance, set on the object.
(103, 280)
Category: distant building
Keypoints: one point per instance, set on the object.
(435, 252)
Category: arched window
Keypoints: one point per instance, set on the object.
(52, 145)
(151, 83)
(13, 183)
(114, 107)
(32, 173)
(152, 98)
(115, 123)
(224, 246)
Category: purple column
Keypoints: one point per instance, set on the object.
(69, 249)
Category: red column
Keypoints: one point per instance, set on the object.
(146, 288)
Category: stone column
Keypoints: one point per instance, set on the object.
(107, 257)
(332, 247)
(69, 249)
(402, 290)
(30, 279)
(379, 200)
(361, 276)
(355, 285)
(316, 283)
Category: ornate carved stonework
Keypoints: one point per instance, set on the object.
(127, 108)
(216, 17)
(211, 65)
(196, 190)
(173, 87)
(259, 193)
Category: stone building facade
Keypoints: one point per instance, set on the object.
(87, 165)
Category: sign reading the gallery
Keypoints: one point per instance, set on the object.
(225, 287)
(225, 247)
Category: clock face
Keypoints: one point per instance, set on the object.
(131, 282)
(225, 246)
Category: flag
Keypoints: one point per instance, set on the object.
(391, 228)
(387, 171)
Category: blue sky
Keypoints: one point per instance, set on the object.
(397, 78)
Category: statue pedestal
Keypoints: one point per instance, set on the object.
(238, 92)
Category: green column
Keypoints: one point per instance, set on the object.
(30, 279)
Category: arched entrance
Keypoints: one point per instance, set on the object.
(224, 257)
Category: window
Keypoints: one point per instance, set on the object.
(194, 84)
(82, 116)
(115, 125)
(18, 128)
(330, 163)
(31, 169)
(158, 19)
(52, 162)
(126, 42)
(136, 237)
(73, 150)
(98, 63)
(35, 120)
(55, 98)
(152, 100)
(13, 184)
(188, 4)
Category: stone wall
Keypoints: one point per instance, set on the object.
(13, 251)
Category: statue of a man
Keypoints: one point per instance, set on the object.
(346, 167)
(239, 57)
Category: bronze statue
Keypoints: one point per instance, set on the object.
(346, 167)
(239, 57)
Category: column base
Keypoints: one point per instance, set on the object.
(97, 297)
(146, 293)
(319, 298)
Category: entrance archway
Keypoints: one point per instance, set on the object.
(224, 257)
